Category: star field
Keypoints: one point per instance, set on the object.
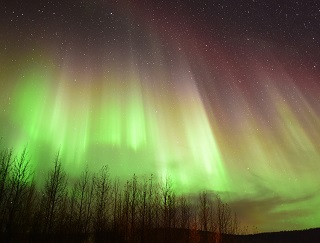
(221, 95)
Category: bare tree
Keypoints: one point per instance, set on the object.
(204, 210)
(212, 217)
(117, 205)
(184, 212)
(168, 208)
(6, 162)
(168, 203)
(150, 200)
(18, 182)
(80, 199)
(143, 207)
(70, 204)
(234, 227)
(88, 214)
(53, 195)
(5, 166)
(28, 207)
(133, 203)
(102, 196)
(227, 222)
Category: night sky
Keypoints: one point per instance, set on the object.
(220, 95)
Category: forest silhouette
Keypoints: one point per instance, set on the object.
(97, 208)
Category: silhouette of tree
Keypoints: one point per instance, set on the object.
(6, 162)
(133, 203)
(117, 205)
(143, 207)
(168, 207)
(204, 210)
(53, 196)
(18, 181)
(84, 200)
(227, 222)
(102, 190)
(185, 213)
(94, 205)
(152, 207)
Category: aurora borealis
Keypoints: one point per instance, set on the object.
(220, 95)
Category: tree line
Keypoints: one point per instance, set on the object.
(97, 208)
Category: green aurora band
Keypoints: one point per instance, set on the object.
(118, 122)
(256, 142)
(122, 121)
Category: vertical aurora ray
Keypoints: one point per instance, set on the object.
(29, 101)
(169, 130)
(31, 93)
(276, 151)
(108, 116)
(134, 116)
(147, 88)
(197, 128)
(79, 115)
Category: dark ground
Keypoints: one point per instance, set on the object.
(174, 236)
